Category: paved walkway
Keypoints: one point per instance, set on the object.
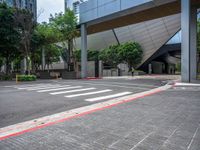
(153, 76)
(168, 120)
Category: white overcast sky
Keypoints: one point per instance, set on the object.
(49, 7)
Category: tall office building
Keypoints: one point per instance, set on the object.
(74, 5)
(23, 4)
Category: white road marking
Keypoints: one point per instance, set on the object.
(48, 87)
(107, 97)
(189, 146)
(26, 85)
(57, 89)
(40, 86)
(142, 140)
(79, 90)
(90, 93)
(111, 85)
(187, 84)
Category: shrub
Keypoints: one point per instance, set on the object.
(26, 77)
(6, 77)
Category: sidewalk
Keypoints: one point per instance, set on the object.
(168, 120)
(153, 76)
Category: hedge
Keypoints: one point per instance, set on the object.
(26, 77)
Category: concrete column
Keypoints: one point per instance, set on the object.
(189, 46)
(83, 51)
(193, 44)
(43, 59)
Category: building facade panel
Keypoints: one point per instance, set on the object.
(131, 3)
(108, 8)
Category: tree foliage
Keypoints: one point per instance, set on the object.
(22, 38)
(45, 34)
(65, 24)
(93, 55)
(52, 54)
(111, 55)
(130, 53)
(9, 34)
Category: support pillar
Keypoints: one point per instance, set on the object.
(43, 59)
(193, 44)
(189, 41)
(83, 51)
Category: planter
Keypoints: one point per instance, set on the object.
(45, 75)
(68, 75)
(139, 73)
(26, 77)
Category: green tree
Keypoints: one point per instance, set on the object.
(111, 56)
(77, 55)
(66, 24)
(25, 24)
(52, 54)
(93, 55)
(45, 34)
(1, 61)
(42, 36)
(9, 34)
(131, 53)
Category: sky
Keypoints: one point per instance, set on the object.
(47, 7)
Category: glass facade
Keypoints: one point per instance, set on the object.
(74, 5)
(24, 4)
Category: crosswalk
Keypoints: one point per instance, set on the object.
(89, 94)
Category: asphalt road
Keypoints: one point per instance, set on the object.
(27, 101)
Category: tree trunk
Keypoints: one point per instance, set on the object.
(33, 66)
(7, 66)
(70, 49)
(27, 65)
(43, 59)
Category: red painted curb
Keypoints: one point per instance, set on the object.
(92, 78)
(79, 115)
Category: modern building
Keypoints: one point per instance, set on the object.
(24, 4)
(152, 23)
(74, 5)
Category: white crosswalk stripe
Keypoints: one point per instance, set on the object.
(72, 91)
(48, 87)
(27, 86)
(107, 97)
(57, 89)
(90, 93)
(35, 87)
(43, 87)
